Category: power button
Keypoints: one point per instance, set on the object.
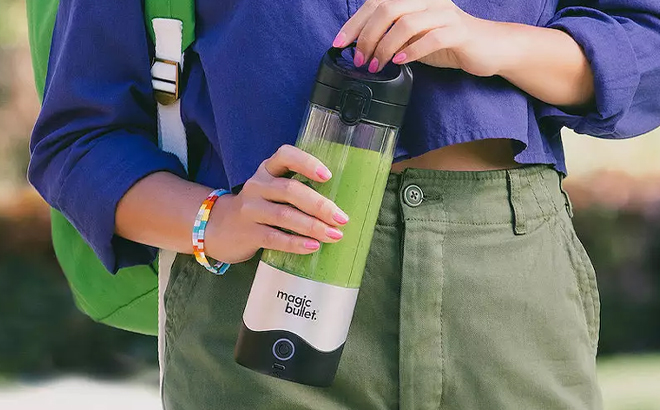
(283, 349)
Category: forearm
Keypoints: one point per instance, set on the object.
(546, 63)
(159, 210)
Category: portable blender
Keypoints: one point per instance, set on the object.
(300, 307)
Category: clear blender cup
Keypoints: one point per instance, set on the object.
(300, 307)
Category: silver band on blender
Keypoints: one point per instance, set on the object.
(317, 312)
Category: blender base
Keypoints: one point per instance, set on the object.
(287, 356)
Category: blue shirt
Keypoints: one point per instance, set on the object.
(250, 72)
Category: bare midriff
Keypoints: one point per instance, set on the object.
(481, 155)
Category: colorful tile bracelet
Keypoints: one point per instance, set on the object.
(199, 229)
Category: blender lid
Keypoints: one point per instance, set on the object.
(360, 95)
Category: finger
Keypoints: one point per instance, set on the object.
(434, 40)
(290, 158)
(351, 29)
(306, 199)
(288, 217)
(404, 31)
(273, 238)
(385, 15)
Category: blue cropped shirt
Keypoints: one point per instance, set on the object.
(249, 74)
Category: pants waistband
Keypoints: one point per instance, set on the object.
(517, 196)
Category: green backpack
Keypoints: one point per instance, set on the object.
(128, 299)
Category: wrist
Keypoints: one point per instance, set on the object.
(491, 47)
(511, 46)
(200, 229)
(216, 228)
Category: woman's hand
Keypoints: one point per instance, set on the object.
(242, 224)
(544, 62)
(434, 32)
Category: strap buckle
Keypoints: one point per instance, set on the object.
(165, 76)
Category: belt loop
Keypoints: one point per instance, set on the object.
(569, 204)
(515, 191)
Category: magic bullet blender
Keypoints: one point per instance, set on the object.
(300, 307)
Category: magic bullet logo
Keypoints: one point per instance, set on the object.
(297, 306)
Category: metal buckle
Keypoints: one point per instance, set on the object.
(164, 97)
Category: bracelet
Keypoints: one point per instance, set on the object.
(199, 229)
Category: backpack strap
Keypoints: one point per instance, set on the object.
(171, 24)
(165, 73)
(182, 10)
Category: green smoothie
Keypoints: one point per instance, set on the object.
(357, 187)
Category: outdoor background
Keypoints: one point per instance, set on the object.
(52, 357)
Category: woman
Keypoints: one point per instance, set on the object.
(477, 293)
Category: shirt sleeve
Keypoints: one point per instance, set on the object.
(96, 134)
(621, 40)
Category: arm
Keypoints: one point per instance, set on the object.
(244, 222)
(620, 39)
(96, 134)
(601, 62)
(95, 158)
(167, 221)
(545, 63)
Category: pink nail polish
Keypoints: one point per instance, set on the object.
(323, 172)
(373, 66)
(334, 233)
(358, 60)
(339, 40)
(313, 245)
(399, 58)
(340, 217)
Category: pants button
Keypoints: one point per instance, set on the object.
(413, 195)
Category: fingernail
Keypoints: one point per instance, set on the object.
(358, 60)
(334, 233)
(323, 172)
(313, 245)
(399, 58)
(339, 40)
(373, 66)
(340, 217)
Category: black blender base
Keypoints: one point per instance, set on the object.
(285, 355)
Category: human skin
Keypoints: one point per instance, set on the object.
(247, 220)
(359, 191)
(546, 63)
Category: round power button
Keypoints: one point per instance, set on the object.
(283, 349)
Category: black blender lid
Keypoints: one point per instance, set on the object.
(385, 93)
(391, 85)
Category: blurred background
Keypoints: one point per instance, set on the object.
(52, 357)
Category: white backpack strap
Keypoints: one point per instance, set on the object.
(165, 73)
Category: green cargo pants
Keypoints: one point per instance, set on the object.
(477, 295)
